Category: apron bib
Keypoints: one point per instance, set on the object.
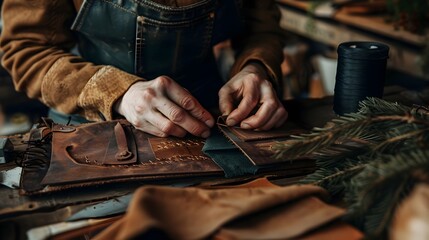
(148, 39)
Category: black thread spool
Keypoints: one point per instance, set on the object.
(361, 72)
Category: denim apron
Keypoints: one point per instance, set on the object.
(147, 39)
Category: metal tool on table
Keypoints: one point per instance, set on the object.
(6, 147)
(11, 177)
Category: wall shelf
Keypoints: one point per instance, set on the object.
(405, 47)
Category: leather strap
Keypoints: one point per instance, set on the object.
(121, 140)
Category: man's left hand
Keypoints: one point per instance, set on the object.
(248, 90)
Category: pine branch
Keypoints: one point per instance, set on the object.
(401, 137)
(373, 194)
(327, 160)
(374, 106)
(370, 156)
(308, 144)
(361, 125)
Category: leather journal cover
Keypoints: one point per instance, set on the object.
(66, 156)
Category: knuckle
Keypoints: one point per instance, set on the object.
(188, 102)
(223, 91)
(148, 94)
(177, 114)
(163, 81)
(251, 99)
(253, 78)
(271, 102)
(139, 109)
(268, 83)
(136, 122)
(282, 111)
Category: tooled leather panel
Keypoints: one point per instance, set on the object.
(183, 149)
(94, 144)
(78, 156)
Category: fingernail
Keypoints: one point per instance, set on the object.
(205, 134)
(209, 123)
(245, 126)
(231, 122)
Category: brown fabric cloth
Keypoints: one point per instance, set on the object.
(260, 211)
(36, 40)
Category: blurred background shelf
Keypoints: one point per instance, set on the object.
(406, 48)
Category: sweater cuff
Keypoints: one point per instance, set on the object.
(103, 89)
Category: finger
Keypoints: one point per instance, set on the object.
(151, 129)
(226, 101)
(165, 125)
(185, 100)
(247, 104)
(278, 118)
(282, 119)
(182, 118)
(261, 117)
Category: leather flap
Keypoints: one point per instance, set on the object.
(104, 143)
(259, 150)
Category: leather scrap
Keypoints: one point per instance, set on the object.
(203, 212)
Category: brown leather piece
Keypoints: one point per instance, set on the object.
(192, 213)
(123, 153)
(283, 222)
(245, 135)
(259, 182)
(183, 149)
(92, 144)
(303, 216)
(335, 230)
(257, 145)
(87, 155)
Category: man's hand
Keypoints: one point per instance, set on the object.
(162, 107)
(250, 89)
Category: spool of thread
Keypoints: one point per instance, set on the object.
(361, 72)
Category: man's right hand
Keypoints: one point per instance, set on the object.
(163, 108)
